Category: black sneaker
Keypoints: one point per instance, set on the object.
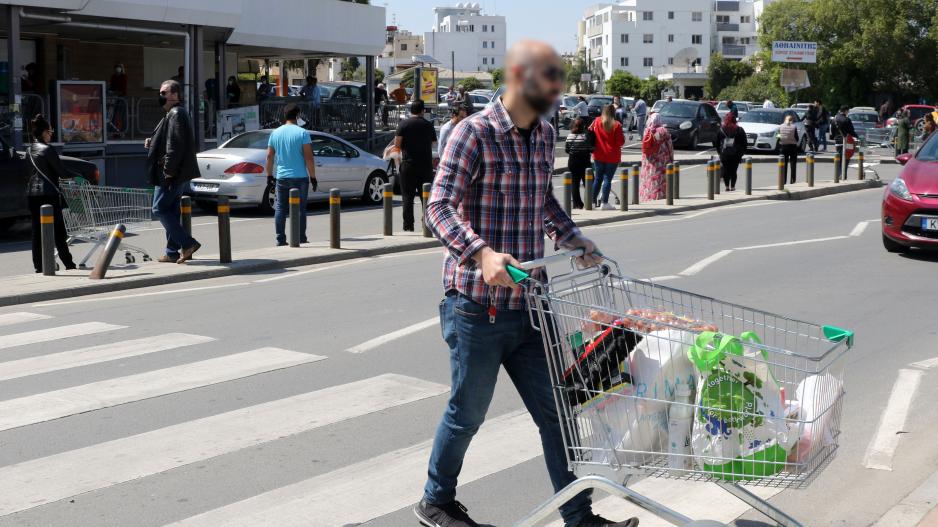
(452, 514)
(598, 521)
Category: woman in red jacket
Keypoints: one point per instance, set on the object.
(607, 154)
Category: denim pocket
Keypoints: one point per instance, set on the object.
(467, 308)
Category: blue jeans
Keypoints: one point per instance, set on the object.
(603, 174)
(822, 135)
(640, 125)
(282, 207)
(478, 349)
(166, 209)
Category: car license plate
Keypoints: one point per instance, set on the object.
(930, 224)
(205, 187)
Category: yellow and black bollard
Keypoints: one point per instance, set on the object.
(567, 193)
(425, 197)
(295, 220)
(636, 181)
(809, 169)
(224, 230)
(717, 176)
(860, 175)
(623, 189)
(110, 249)
(710, 180)
(677, 180)
(837, 157)
(335, 210)
(669, 184)
(781, 172)
(748, 161)
(588, 202)
(185, 211)
(388, 209)
(47, 233)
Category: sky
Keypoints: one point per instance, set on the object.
(550, 20)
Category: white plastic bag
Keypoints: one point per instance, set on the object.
(816, 395)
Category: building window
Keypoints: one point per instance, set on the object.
(648, 62)
(492, 61)
(670, 38)
(648, 15)
(670, 15)
(472, 28)
(696, 16)
(696, 39)
(745, 40)
(485, 28)
(648, 38)
(624, 62)
(485, 60)
(670, 61)
(492, 44)
(723, 19)
(745, 20)
(624, 38)
(403, 47)
(485, 44)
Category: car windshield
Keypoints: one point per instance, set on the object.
(255, 140)
(675, 109)
(600, 101)
(762, 117)
(479, 99)
(917, 113)
(570, 102)
(928, 151)
(863, 117)
(326, 90)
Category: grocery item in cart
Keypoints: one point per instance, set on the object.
(648, 320)
(740, 431)
(817, 396)
(598, 364)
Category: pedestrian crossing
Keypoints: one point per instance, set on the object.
(391, 480)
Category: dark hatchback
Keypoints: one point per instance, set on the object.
(594, 107)
(690, 123)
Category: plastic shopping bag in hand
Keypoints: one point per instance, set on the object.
(739, 431)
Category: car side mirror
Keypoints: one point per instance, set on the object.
(903, 158)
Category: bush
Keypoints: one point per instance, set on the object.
(623, 83)
(471, 83)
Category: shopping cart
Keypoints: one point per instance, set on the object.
(632, 404)
(94, 210)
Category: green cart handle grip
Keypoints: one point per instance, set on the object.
(517, 275)
(521, 274)
(835, 334)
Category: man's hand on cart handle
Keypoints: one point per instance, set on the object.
(494, 269)
(591, 254)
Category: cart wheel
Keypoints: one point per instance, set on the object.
(57, 268)
(146, 258)
(129, 257)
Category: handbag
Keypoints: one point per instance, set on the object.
(63, 203)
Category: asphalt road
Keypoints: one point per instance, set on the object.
(132, 434)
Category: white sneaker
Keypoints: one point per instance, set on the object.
(606, 206)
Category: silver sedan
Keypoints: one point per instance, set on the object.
(237, 169)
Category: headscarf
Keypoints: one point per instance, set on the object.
(654, 122)
(729, 124)
(655, 134)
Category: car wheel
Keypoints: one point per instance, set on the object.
(694, 141)
(892, 246)
(374, 188)
(268, 199)
(207, 206)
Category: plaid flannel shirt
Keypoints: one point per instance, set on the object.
(492, 189)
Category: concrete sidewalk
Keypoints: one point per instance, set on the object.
(37, 288)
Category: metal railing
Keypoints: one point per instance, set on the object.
(339, 118)
(727, 5)
(723, 26)
(734, 50)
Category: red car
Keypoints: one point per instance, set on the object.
(910, 202)
(916, 112)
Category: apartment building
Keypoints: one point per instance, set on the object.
(399, 49)
(465, 35)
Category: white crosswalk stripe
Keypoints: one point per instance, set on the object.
(8, 319)
(94, 396)
(56, 333)
(96, 354)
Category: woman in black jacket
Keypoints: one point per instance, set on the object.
(731, 144)
(580, 148)
(43, 189)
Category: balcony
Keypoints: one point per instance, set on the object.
(723, 26)
(595, 30)
(727, 5)
(738, 50)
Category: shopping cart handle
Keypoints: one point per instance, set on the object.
(521, 273)
(835, 334)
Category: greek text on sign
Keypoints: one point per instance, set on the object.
(788, 51)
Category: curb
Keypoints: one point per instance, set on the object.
(755, 161)
(253, 266)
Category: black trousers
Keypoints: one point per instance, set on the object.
(61, 236)
(577, 164)
(811, 130)
(413, 176)
(791, 160)
(730, 169)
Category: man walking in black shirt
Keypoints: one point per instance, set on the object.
(415, 137)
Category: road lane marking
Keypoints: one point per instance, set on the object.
(910, 511)
(292, 274)
(32, 483)
(8, 319)
(795, 242)
(629, 223)
(662, 278)
(97, 354)
(702, 264)
(335, 499)
(57, 333)
(394, 335)
(892, 423)
(861, 227)
(926, 364)
(707, 151)
(112, 392)
(139, 295)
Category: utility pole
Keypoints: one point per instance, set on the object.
(453, 71)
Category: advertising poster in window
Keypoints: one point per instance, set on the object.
(234, 121)
(81, 117)
(428, 85)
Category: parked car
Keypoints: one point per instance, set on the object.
(594, 106)
(567, 102)
(762, 125)
(237, 169)
(863, 109)
(485, 93)
(801, 105)
(916, 112)
(14, 174)
(864, 120)
(690, 122)
(723, 109)
(910, 202)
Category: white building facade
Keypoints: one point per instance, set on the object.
(399, 50)
(668, 39)
(464, 35)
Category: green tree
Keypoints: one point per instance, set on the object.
(757, 87)
(623, 83)
(652, 88)
(379, 75)
(407, 78)
(471, 83)
(574, 67)
(722, 73)
(498, 77)
(348, 68)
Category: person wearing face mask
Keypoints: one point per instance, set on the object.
(171, 164)
(492, 205)
(118, 83)
(233, 92)
(46, 171)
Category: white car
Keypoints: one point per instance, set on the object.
(237, 169)
(762, 124)
(723, 109)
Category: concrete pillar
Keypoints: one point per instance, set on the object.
(13, 63)
(221, 77)
(370, 98)
(194, 89)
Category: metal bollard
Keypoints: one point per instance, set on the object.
(748, 161)
(424, 198)
(185, 210)
(47, 232)
(837, 157)
(110, 249)
(588, 202)
(809, 163)
(388, 209)
(781, 172)
(567, 193)
(623, 189)
(845, 163)
(860, 175)
(294, 217)
(636, 181)
(710, 179)
(335, 208)
(677, 180)
(224, 230)
(717, 176)
(669, 184)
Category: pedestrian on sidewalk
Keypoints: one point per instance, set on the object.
(731, 145)
(381, 103)
(581, 108)
(824, 126)
(491, 206)
(607, 153)
(788, 140)
(45, 171)
(459, 113)
(843, 128)
(768, 103)
(171, 164)
(290, 165)
(641, 110)
(903, 132)
(579, 148)
(928, 126)
(657, 152)
(811, 119)
(415, 137)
